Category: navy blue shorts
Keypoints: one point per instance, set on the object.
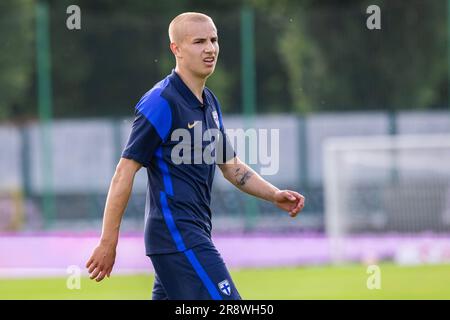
(195, 274)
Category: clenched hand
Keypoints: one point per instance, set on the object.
(290, 201)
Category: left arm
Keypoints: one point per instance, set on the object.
(247, 180)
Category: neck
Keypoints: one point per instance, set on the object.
(195, 84)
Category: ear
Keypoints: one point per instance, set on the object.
(175, 49)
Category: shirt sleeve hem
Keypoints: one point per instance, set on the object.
(144, 162)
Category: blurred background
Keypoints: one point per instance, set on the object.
(363, 119)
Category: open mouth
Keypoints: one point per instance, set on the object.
(209, 60)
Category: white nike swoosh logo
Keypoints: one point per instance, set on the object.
(190, 126)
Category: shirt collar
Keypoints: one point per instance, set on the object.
(186, 92)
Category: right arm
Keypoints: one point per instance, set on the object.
(102, 259)
(151, 125)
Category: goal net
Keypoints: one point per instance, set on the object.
(386, 184)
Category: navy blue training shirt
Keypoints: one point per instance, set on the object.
(177, 211)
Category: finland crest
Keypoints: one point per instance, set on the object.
(216, 118)
(224, 286)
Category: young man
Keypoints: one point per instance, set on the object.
(178, 215)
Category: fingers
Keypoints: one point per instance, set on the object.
(300, 203)
(101, 276)
(99, 272)
(95, 272)
(92, 267)
(293, 213)
(299, 207)
(100, 264)
(292, 195)
(107, 273)
(296, 195)
(89, 262)
(288, 195)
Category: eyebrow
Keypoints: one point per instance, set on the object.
(214, 37)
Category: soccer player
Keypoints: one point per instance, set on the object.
(177, 214)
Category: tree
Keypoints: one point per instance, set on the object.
(16, 56)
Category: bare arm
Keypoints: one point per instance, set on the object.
(102, 259)
(247, 180)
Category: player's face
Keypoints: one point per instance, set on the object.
(200, 48)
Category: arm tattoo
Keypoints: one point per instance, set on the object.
(242, 177)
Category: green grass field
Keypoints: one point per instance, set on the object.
(346, 282)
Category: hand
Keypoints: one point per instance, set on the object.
(289, 201)
(101, 262)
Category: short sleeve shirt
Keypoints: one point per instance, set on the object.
(179, 140)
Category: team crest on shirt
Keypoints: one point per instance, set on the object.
(216, 118)
(225, 287)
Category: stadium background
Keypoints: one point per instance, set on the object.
(313, 71)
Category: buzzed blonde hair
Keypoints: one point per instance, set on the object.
(176, 25)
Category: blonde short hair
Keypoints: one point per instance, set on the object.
(176, 25)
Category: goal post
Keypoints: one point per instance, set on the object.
(385, 184)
